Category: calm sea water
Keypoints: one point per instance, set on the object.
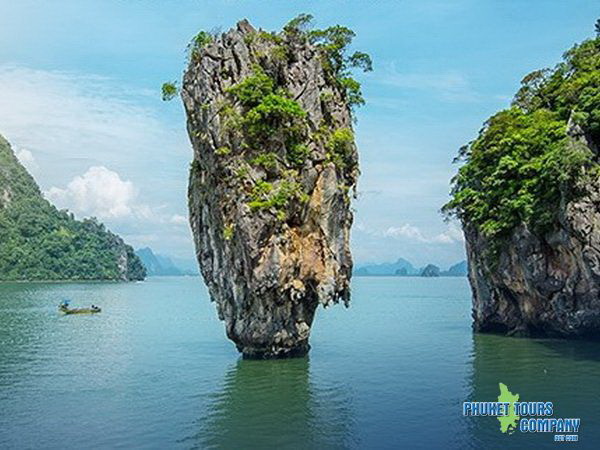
(154, 370)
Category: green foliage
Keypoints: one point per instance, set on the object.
(198, 42)
(253, 89)
(361, 60)
(270, 115)
(38, 242)
(262, 35)
(231, 118)
(297, 154)
(267, 160)
(339, 147)
(298, 24)
(260, 196)
(228, 232)
(269, 37)
(267, 196)
(273, 112)
(353, 92)
(286, 190)
(280, 53)
(169, 90)
(326, 96)
(241, 172)
(522, 165)
(333, 43)
(222, 151)
(571, 88)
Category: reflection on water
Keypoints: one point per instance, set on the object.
(564, 372)
(154, 370)
(274, 404)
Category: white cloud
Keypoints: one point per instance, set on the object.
(98, 192)
(71, 121)
(103, 193)
(406, 230)
(451, 235)
(26, 158)
(73, 126)
(177, 219)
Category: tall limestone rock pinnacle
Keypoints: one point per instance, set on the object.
(528, 197)
(274, 167)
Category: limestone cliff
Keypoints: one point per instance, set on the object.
(269, 191)
(529, 200)
(542, 285)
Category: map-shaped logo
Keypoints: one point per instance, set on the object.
(508, 423)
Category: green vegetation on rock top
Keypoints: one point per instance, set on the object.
(523, 166)
(333, 43)
(199, 41)
(39, 242)
(266, 138)
(270, 116)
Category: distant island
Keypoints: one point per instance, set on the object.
(40, 243)
(159, 265)
(403, 268)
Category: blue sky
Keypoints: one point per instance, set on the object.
(79, 100)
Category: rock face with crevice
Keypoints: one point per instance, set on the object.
(271, 231)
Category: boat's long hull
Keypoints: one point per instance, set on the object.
(81, 311)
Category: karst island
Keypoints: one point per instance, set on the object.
(528, 199)
(270, 118)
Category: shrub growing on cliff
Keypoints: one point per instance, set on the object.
(275, 114)
(333, 42)
(228, 231)
(266, 196)
(339, 147)
(522, 165)
(169, 90)
(298, 24)
(253, 89)
(267, 160)
(199, 41)
(270, 116)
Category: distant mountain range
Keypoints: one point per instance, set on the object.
(403, 268)
(159, 265)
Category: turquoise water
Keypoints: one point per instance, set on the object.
(154, 370)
